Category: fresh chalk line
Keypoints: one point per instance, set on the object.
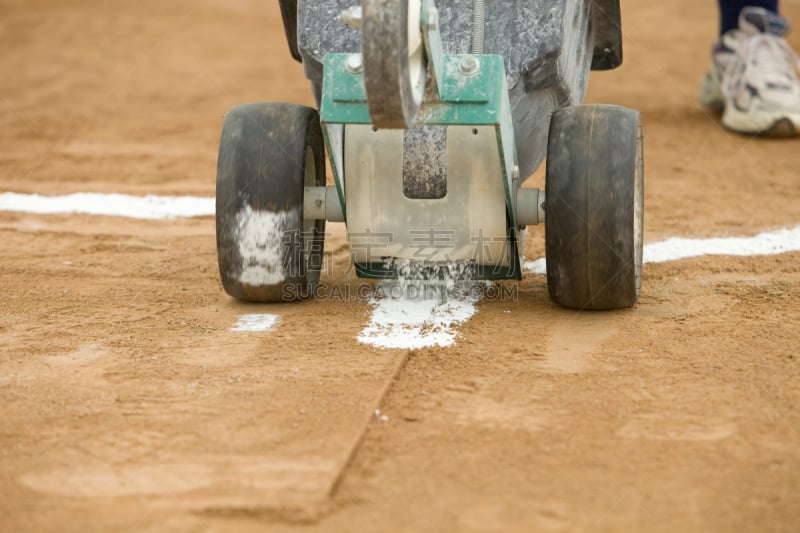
(413, 322)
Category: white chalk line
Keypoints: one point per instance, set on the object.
(164, 207)
(253, 322)
(768, 243)
(416, 321)
(150, 207)
(424, 323)
(395, 323)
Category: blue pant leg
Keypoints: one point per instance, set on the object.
(729, 11)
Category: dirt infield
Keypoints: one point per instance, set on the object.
(128, 404)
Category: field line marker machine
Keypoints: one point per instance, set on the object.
(432, 114)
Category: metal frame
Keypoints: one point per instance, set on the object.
(463, 90)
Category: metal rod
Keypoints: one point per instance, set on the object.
(478, 26)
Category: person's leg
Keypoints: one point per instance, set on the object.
(752, 79)
(729, 11)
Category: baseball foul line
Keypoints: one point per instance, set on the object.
(391, 325)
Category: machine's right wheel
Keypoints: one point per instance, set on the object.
(268, 251)
(594, 207)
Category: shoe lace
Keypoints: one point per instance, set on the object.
(765, 57)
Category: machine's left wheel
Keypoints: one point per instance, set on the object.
(594, 212)
(267, 250)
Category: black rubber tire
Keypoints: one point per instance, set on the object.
(387, 68)
(594, 212)
(266, 249)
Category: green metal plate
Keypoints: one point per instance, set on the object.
(475, 99)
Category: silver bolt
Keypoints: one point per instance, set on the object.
(353, 63)
(352, 17)
(515, 173)
(433, 19)
(469, 65)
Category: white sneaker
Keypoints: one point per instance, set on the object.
(753, 77)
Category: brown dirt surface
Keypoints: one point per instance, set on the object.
(127, 404)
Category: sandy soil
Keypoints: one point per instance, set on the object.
(127, 404)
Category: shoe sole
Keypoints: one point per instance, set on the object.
(777, 125)
(781, 128)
